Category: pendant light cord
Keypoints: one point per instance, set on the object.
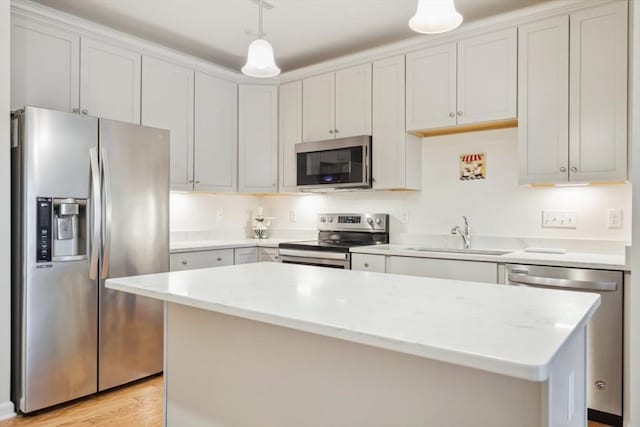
(260, 33)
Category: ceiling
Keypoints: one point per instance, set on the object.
(302, 32)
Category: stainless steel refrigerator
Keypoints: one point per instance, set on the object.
(90, 201)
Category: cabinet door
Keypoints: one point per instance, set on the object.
(431, 88)
(396, 155)
(258, 138)
(472, 271)
(245, 255)
(543, 101)
(363, 262)
(109, 81)
(167, 103)
(268, 255)
(45, 66)
(318, 111)
(353, 101)
(290, 132)
(598, 93)
(216, 134)
(200, 259)
(487, 80)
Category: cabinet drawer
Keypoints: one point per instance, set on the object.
(268, 255)
(245, 255)
(363, 262)
(201, 259)
(472, 271)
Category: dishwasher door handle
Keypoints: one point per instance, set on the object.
(525, 279)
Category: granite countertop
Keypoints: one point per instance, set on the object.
(508, 330)
(569, 259)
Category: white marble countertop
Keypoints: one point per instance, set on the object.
(509, 330)
(569, 259)
(207, 245)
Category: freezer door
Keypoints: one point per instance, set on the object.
(56, 301)
(135, 164)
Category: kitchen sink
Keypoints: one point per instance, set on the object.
(459, 251)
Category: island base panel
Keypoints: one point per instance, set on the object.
(224, 371)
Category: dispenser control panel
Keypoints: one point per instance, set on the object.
(43, 231)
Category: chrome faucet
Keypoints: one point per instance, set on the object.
(465, 234)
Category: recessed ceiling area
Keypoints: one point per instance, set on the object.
(302, 32)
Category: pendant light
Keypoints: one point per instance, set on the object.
(260, 60)
(435, 16)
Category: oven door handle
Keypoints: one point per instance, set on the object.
(313, 254)
(318, 262)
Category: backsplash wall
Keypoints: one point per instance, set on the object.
(496, 206)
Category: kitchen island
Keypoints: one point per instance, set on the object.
(282, 345)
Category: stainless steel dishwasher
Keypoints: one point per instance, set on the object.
(604, 332)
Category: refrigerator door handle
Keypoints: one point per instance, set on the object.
(95, 190)
(106, 175)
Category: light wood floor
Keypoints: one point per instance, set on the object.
(136, 406)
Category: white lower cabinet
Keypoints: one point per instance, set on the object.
(363, 262)
(200, 259)
(268, 255)
(245, 255)
(473, 271)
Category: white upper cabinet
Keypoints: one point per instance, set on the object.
(353, 101)
(216, 135)
(45, 66)
(290, 132)
(109, 81)
(337, 105)
(598, 93)
(318, 107)
(431, 88)
(396, 155)
(487, 77)
(167, 103)
(543, 101)
(258, 138)
(469, 82)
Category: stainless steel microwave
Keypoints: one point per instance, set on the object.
(334, 164)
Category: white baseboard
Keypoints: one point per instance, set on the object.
(7, 410)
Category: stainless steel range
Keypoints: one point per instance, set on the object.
(337, 233)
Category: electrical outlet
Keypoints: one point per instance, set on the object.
(219, 216)
(404, 216)
(614, 218)
(559, 219)
(293, 215)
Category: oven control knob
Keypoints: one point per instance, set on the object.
(378, 220)
(370, 221)
(330, 219)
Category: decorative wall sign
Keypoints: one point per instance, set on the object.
(473, 166)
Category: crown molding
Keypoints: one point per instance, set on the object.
(51, 16)
(493, 23)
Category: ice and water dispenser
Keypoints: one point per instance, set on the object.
(61, 229)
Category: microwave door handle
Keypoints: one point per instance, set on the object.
(106, 253)
(366, 164)
(95, 198)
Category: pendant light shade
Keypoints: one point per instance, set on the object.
(435, 16)
(260, 59)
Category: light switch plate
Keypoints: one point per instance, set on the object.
(559, 219)
(293, 215)
(614, 218)
(404, 216)
(219, 216)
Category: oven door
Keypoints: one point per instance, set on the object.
(318, 259)
(339, 163)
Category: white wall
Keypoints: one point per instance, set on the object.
(497, 206)
(6, 407)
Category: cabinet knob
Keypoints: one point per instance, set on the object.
(190, 181)
(337, 131)
(219, 259)
(459, 112)
(330, 130)
(76, 110)
(85, 112)
(563, 169)
(184, 262)
(198, 182)
(452, 114)
(574, 169)
(366, 265)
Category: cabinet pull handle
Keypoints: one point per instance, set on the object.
(459, 112)
(85, 112)
(190, 181)
(198, 182)
(184, 262)
(452, 114)
(219, 259)
(366, 265)
(574, 169)
(563, 169)
(336, 131)
(330, 130)
(76, 110)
